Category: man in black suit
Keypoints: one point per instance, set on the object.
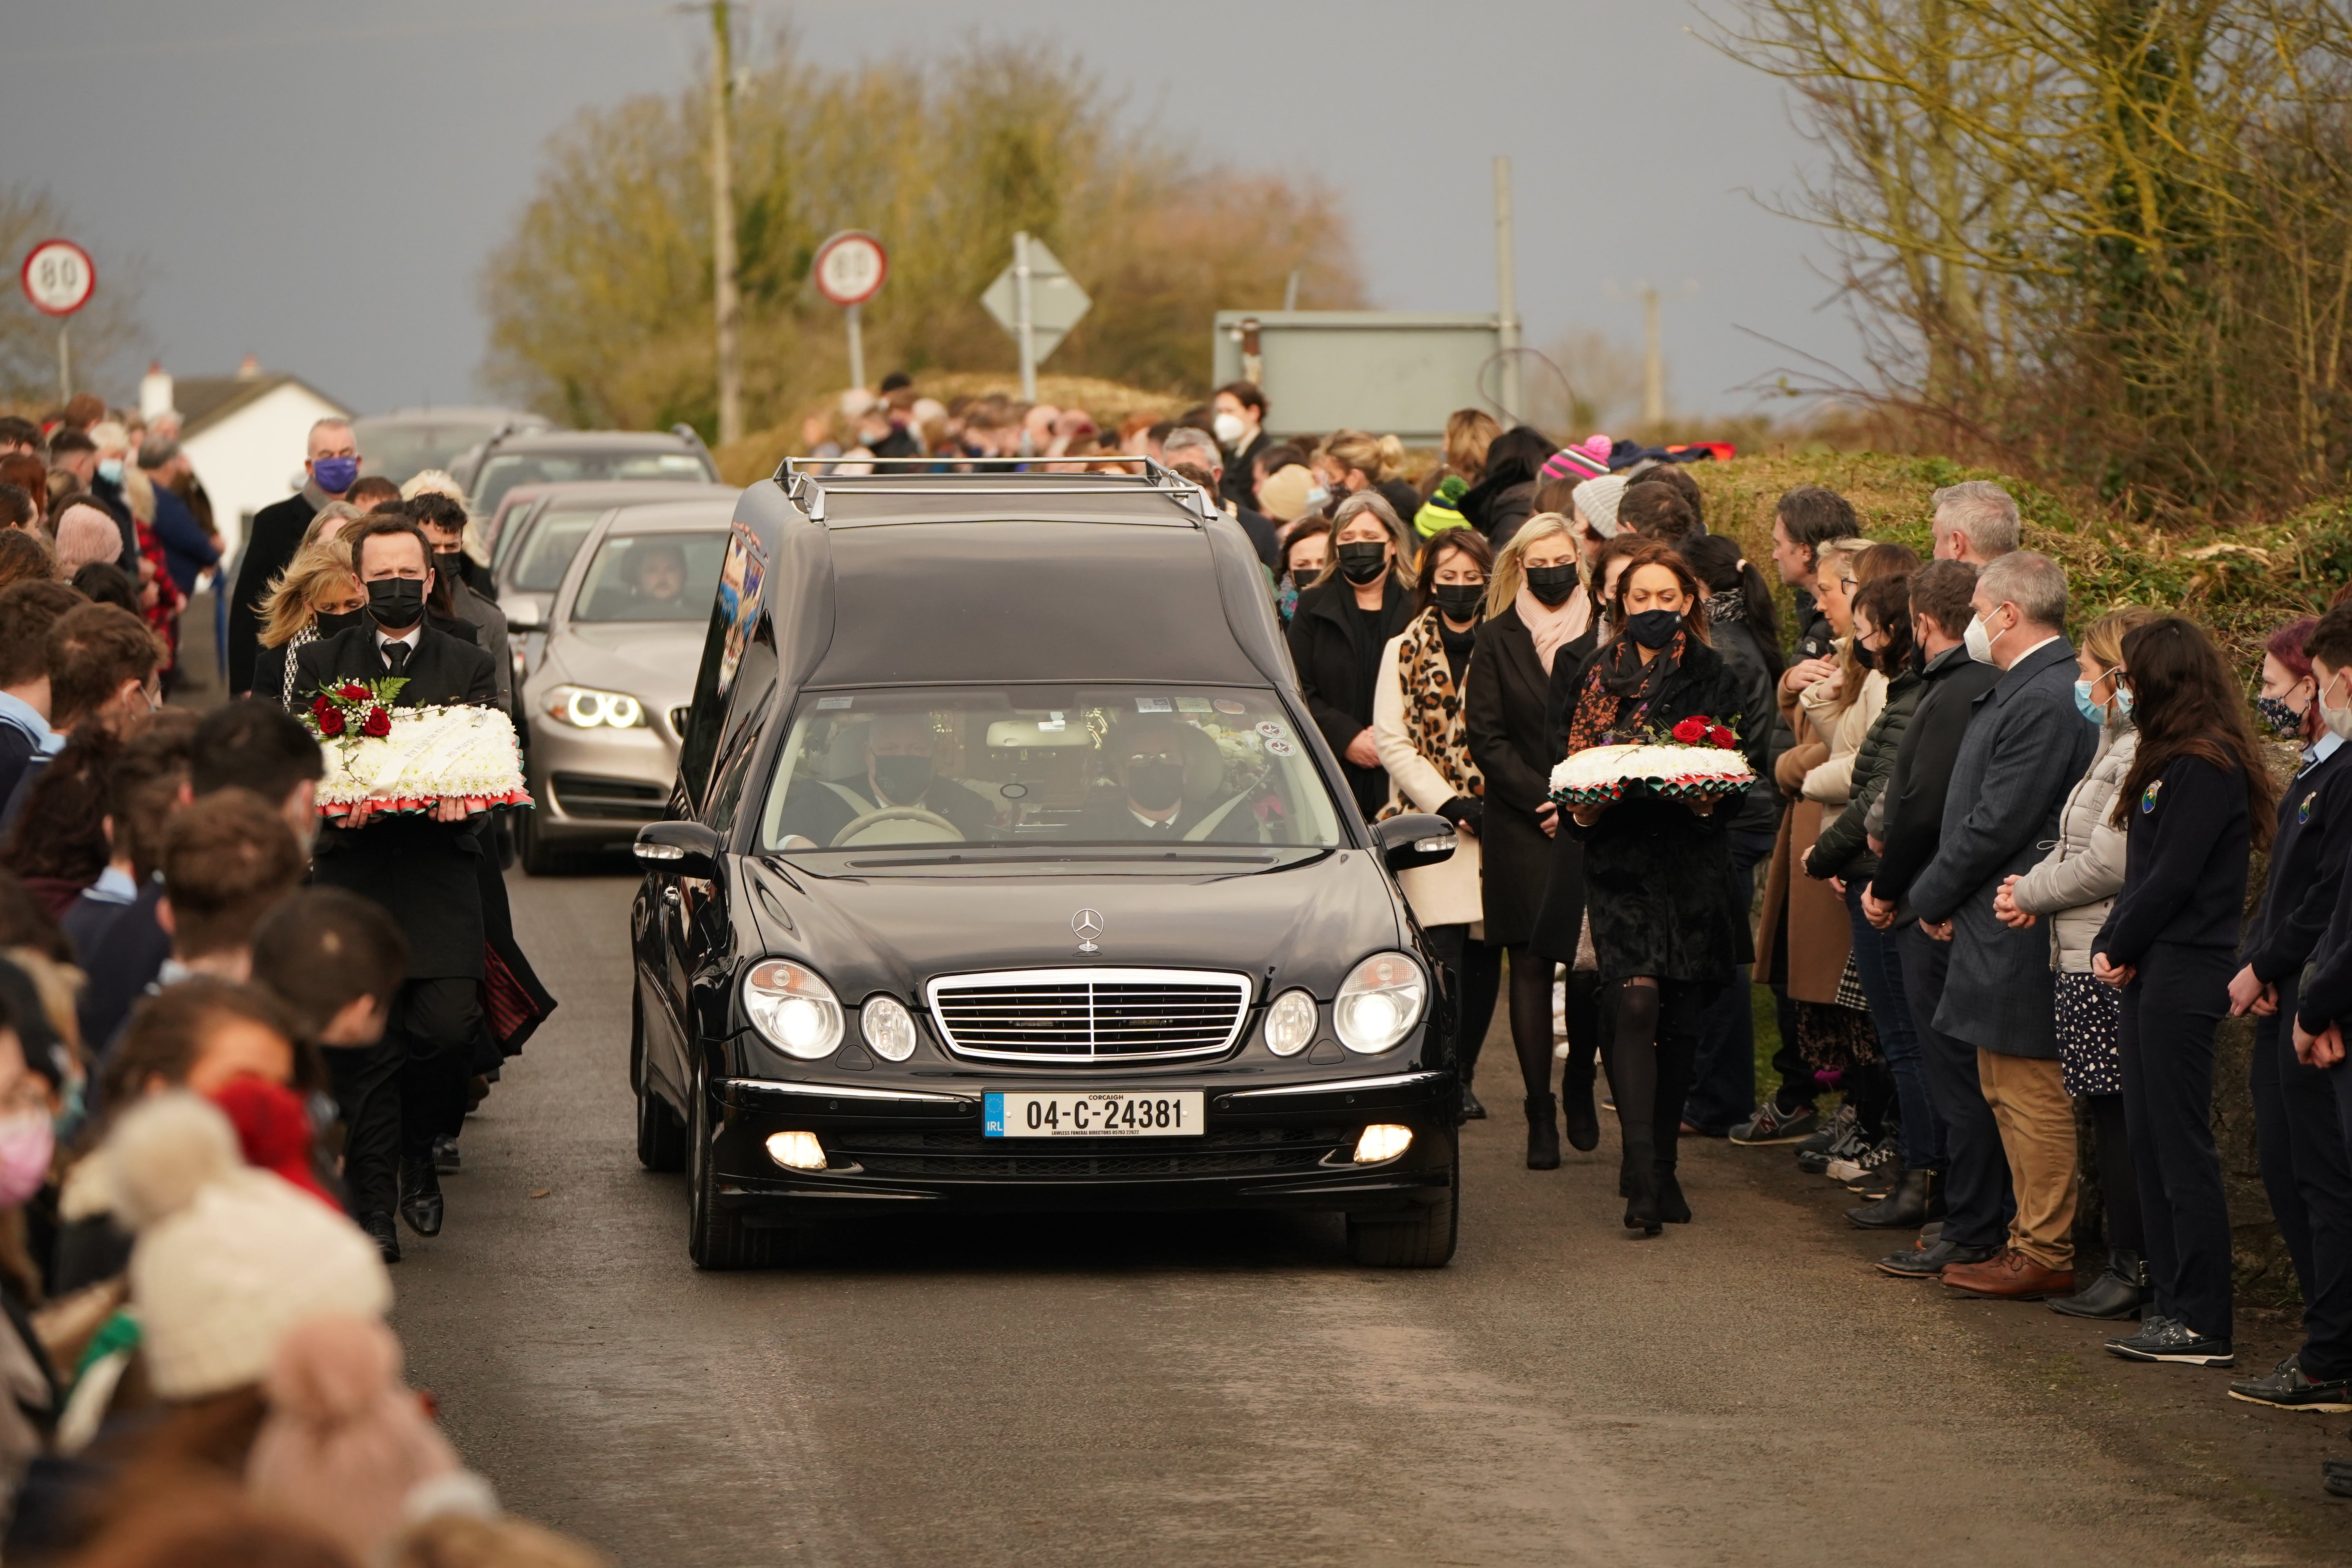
(1146, 755)
(898, 774)
(333, 464)
(398, 1097)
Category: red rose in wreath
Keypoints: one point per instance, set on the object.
(352, 692)
(321, 705)
(1691, 731)
(1723, 737)
(377, 724)
(330, 719)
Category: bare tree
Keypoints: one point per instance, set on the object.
(103, 330)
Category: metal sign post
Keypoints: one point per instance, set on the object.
(59, 279)
(1038, 302)
(849, 269)
(1507, 293)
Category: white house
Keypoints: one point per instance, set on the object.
(246, 434)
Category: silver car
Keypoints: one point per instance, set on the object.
(623, 642)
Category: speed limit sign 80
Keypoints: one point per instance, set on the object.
(58, 278)
(849, 267)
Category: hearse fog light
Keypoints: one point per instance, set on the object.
(1290, 1023)
(793, 1009)
(584, 708)
(801, 1151)
(1380, 1003)
(1382, 1141)
(888, 1028)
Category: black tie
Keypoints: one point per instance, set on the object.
(395, 657)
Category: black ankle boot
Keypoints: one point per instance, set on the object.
(1543, 1133)
(1641, 1179)
(2119, 1291)
(1673, 1207)
(1583, 1125)
(1471, 1110)
(1904, 1208)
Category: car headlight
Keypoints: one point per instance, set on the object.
(586, 707)
(888, 1028)
(793, 1009)
(1290, 1023)
(1380, 1003)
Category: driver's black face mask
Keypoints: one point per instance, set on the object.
(1155, 783)
(902, 780)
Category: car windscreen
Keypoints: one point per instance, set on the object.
(1049, 766)
(399, 450)
(544, 554)
(668, 576)
(507, 470)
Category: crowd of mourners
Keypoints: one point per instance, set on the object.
(232, 1043)
(1988, 874)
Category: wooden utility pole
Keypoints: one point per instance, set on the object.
(722, 228)
(1654, 362)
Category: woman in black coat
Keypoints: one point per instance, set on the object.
(1531, 621)
(1344, 619)
(1657, 872)
(1559, 933)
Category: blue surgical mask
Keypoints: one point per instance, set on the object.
(111, 469)
(335, 475)
(2095, 712)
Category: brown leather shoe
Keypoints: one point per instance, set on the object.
(2010, 1276)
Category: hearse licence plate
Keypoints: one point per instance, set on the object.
(1176, 1114)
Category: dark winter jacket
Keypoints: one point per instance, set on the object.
(1657, 875)
(1922, 771)
(2188, 846)
(1504, 706)
(1336, 649)
(2315, 833)
(1843, 849)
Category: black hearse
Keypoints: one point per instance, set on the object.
(1005, 869)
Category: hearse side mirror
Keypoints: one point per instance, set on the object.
(688, 849)
(1405, 842)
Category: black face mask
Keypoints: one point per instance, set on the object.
(1459, 601)
(332, 623)
(1157, 785)
(1654, 629)
(903, 779)
(449, 564)
(396, 603)
(1866, 658)
(1362, 560)
(1552, 585)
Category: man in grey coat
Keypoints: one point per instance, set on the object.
(2025, 748)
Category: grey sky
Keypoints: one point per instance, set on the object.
(319, 184)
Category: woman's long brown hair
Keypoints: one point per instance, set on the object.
(2184, 705)
(1652, 552)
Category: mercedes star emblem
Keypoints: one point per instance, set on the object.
(1088, 925)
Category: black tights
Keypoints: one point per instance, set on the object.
(1531, 985)
(1651, 1050)
(1870, 1086)
(2119, 1179)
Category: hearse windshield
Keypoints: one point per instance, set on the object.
(1132, 766)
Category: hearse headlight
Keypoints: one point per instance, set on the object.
(793, 1010)
(1380, 1003)
(1290, 1023)
(889, 1029)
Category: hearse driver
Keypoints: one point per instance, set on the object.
(898, 772)
(1146, 757)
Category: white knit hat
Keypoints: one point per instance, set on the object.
(228, 1257)
(1597, 498)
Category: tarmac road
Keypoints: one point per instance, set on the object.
(1223, 1390)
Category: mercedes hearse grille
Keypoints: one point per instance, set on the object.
(1089, 1016)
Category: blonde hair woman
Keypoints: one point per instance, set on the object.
(1352, 462)
(316, 596)
(1468, 433)
(1533, 613)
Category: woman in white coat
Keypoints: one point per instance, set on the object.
(2072, 888)
(1424, 745)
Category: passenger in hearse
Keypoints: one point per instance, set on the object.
(899, 772)
(1148, 757)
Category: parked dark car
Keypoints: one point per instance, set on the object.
(1005, 869)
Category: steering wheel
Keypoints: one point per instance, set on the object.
(896, 814)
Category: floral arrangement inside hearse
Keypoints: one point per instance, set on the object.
(383, 758)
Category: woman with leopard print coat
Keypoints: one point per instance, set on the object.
(1420, 729)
